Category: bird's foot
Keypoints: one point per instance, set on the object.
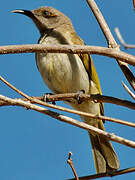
(78, 97)
(45, 97)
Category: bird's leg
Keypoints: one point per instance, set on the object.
(78, 96)
(45, 98)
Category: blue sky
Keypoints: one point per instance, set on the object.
(34, 146)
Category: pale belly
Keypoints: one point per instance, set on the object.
(63, 73)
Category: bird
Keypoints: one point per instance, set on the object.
(71, 73)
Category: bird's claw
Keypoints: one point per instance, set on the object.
(45, 98)
(78, 97)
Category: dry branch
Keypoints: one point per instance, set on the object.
(74, 49)
(119, 36)
(129, 91)
(103, 25)
(89, 97)
(70, 162)
(134, 4)
(111, 174)
(28, 105)
(84, 97)
(37, 100)
(14, 88)
(111, 41)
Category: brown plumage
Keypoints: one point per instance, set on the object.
(65, 73)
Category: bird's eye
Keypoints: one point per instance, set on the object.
(46, 13)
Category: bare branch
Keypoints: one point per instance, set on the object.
(84, 97)
(111, 41)
(14, 88)
(80, 113)
(102, 23)
(69, 161)
(128, 90)
(74, 49)
(126, 46)
(92, 97)
(28, 105)
(111, 174)
(134, 4)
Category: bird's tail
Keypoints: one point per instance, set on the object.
(104, 155)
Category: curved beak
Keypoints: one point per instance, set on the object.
(24, 12)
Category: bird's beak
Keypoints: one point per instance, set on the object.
(29, 14)
(24, 12)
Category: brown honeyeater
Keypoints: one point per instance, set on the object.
(70, 73)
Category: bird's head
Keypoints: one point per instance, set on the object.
(47, 18)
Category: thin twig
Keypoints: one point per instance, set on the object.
(102, 23)
(89, 97)
(83, 97)
(119, 36)
(134, 4)
(111, 41)
(80, 113)
(105, 118)
(128, 90)
(111, 174)
(14, 88)
(69, 161)
(73, 49)
(28, 105)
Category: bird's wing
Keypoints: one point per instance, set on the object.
(89, 66)
(91, 70)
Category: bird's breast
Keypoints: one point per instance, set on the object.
(63, 73)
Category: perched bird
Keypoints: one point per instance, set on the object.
(70, 73)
